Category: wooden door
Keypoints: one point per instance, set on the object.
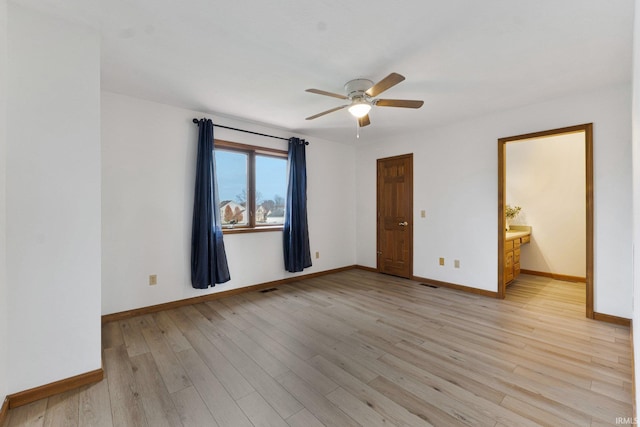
(395, 215)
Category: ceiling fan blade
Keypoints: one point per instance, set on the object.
(364, 121)
(384, 84)
(315, 116)
(324, 92)
(405, 103)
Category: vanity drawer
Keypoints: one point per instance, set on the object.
(526, 239)
(516, 243)
(508, 245)
(508, 276)
(516, 256)
(508, 260)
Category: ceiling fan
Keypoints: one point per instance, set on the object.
(361, 94)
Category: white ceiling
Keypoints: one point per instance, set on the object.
(254, 59)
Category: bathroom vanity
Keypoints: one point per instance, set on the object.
(517, 236)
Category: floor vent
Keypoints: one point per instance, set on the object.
(264, 291)
(428, 285)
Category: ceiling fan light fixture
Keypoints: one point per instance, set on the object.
(359, 109)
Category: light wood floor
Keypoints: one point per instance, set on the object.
(357, 348)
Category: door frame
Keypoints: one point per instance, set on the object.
(588, 154)
(410, 219)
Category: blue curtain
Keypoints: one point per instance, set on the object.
(297, 254)
(208, 257)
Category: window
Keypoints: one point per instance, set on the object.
(252, 186)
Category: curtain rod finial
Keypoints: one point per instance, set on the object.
(195, 120)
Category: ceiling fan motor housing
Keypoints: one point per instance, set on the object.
(355, 89)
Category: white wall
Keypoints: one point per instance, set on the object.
(546, 177)
(52, 198)
(4, 317)
(635, 124)
(455, 181)
(148, 160)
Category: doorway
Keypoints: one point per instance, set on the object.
(394, 207)
(587, 130)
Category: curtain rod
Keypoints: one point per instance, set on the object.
(196, 121)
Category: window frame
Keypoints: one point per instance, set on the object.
(251, 151)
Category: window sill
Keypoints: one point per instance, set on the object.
(241, 230)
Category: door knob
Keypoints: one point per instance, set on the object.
(403, 224)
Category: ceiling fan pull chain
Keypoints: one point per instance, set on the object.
(357, 129)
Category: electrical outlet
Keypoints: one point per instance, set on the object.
(423, 214)
(317, 255)
(153, 279)
(456, 263)
(441, 261)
